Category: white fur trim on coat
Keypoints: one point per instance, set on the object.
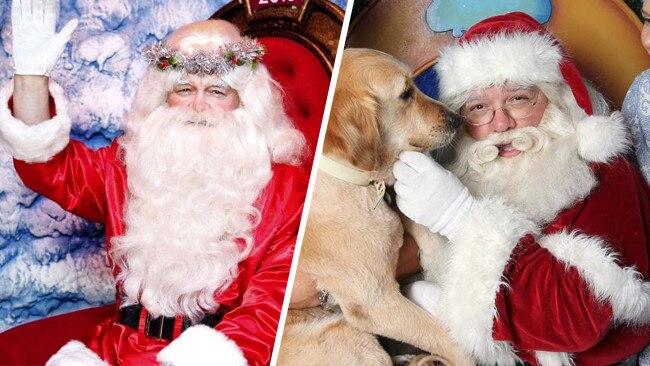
(523, 58)
(601, 138)
(37, 143)
(479, 252)
(623, 288)
(201, 345)
(75, 353)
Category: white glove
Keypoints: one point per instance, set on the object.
(75, 353)
(424, 294)
(429, 194)
(36, 45)
(201, 345)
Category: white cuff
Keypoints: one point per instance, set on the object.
(37, 143)
(201, 345)
(75, 353)
(479, 250)
(545, 358)
(623, 288)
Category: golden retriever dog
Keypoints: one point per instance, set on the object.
(352, 236)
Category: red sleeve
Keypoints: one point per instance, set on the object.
(253, 324)
(73, 178)
(548, 305)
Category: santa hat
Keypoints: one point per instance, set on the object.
(512, 47)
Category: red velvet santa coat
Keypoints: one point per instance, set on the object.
(573, 290)
(93, 185)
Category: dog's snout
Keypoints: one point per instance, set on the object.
(454, 120)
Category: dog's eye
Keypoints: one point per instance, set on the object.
(407, 94)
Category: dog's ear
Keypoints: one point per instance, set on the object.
(352, 130)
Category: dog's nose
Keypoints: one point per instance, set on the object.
(454, 120)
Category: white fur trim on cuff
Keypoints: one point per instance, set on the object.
(201, 345)
(554, 358)
(522, 58)
(623, 288)
(602, 138)
(75, 353)
(479, 252)
(36, 143)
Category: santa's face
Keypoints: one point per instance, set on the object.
(203, 93)
(546, 175)
(503, 108)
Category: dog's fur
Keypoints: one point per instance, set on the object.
(351, 247)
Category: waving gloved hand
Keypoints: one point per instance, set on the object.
(429, 194)
(36, 45)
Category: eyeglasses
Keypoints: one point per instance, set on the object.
(518, 106)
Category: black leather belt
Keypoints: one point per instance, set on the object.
(161, 327)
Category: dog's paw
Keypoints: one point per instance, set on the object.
(425, 294)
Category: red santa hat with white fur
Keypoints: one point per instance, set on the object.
(511, 47)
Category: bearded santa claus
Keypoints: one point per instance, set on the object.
(201, 199)
(545, 246)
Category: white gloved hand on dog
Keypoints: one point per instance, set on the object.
(36, 45)
(430, 194)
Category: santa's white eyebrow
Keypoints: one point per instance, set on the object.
(219, 84)
(519, 87)
(474, 98)
(182, 82)
(505, 89)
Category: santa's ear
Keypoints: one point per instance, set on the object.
(601, 138)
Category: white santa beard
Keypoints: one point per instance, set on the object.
(545, 178)
(189, 215)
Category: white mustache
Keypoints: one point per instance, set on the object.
(480, 153)
(527, 139)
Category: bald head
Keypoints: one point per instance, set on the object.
(204, 35)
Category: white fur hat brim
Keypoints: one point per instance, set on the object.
(525, 58)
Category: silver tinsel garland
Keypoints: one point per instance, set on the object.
(218, 61)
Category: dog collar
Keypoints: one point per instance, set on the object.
(352, 175)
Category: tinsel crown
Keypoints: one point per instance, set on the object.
(218, 61)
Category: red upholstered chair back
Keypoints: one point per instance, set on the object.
(304, 83)
(301, 43)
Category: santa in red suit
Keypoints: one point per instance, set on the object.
(547, 227)
(201, 198)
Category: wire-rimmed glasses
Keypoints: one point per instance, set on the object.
(518, 106)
